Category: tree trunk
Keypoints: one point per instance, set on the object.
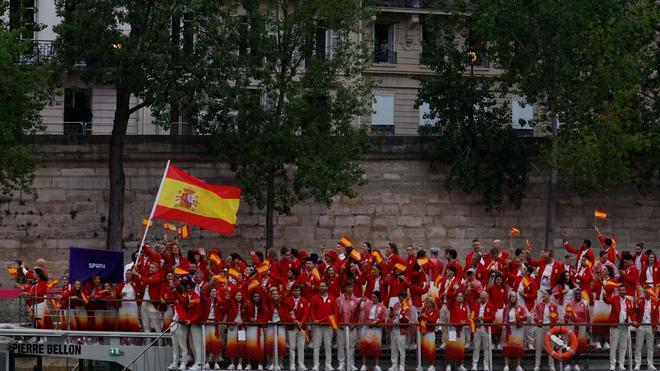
(551, 215)
(116, 170)
(269, 214)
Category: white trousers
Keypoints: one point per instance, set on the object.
(341, 346)
(322, 333)
(618, 341)
(151, 318)
(296, 341)
(196, 337)
(398, 349)
(539, 334)
(644, 334)
(481, 339)
(180, 342)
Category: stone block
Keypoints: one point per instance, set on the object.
(344, 221)
(362, 220)
(387, 209)
(50, 194)
(326, 221)
(84, 172)
(390, 176)
(410, 221)
(413, 209)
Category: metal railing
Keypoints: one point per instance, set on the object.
(385, 56)
(41, 51)
(81, 128)
(419, 4)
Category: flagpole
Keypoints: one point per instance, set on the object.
(153, 210)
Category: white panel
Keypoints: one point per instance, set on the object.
(425, 110)
(518, 112)
(383, 110)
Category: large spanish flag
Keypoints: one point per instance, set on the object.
(188, 199)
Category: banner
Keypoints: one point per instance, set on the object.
(85, 263)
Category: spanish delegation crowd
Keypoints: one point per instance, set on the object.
(253, 311)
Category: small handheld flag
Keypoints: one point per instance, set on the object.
(525, 281)
(377, 256)
(214, 257)
(515, 231)
(600, 214)
(178, 271)
(220, 278)
(437, 280)
(184, 232)
(345, 241)
(422, 326)
(254, 283)
(51, 284)
(585, 295)
(473, 327)
(400, 267)
(423, 261)
(316, 274)
(333, 321)
(12, 271)
(169, 226)
(262, 268)
(233, 273)
(356, 255)
(146, 221)
(528, 244)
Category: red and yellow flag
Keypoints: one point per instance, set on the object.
(254, 283)
(529, 245)
(400, 267)
(515, 231)
(377, 256)
(333, 321)
(51, 284)
(422, 326)
(188, 199)
(600, 214)
(525, 281)
(345, 241)
(316, 274)
(178, 271)
(404, 305)
(169, 226)
(262, 268)
(422, 261)
(146, 221)
(12, 271)
(184, 232)
(214, 257)
(356, 255)
(585, 295)
(437, 280)
(473, 327)
(220, 278)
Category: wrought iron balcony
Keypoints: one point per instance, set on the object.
(41, 51)
(419, 4)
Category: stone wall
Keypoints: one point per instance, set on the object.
(404, 201)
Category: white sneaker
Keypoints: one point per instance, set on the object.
(612, 368)
(393, 368)
(568, 368)
(637, 367)
(448, 368)
(474, 367)
(216, 366)
(208, 366)
(196, 366)
(260, 367)
(353, 368)
(270, 368)
(552, 368)
(462, 368)
(431, 368)
(650, 368)
(606, 346)
(537, 369)
(182, 366)
(363, 368)
(402, 368)
(329, 368)
(622, 368)
(302, 368)
(240, 367)
(231, 367)
(576, 368)
(173, 366)
(519, 368)
(598, 346)
(340, 367)
(377, 368)
(443, 345)
(506, 368)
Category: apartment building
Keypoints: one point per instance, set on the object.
(397, 35)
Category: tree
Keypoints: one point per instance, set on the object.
(586, 64)
(291, 134)
(471, 134)
(24, 89)
(156, 52)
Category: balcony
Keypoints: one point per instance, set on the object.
(416, 4)
(385, 56)
(41, 51)
(81, 128)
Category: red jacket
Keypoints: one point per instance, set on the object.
(578, 252)
(641, 304)
(430, 316)
(206, 309)
(615, 302)
(629, 278)
(489, 312)
(557, 270)
(497, 295)
(531, 290)
(584, 278)
(539, 308)
(320, 309)
(152, 284)
(458, 313)
(655, 276)
(299, 311)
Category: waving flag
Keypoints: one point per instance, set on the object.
(515, 231)
(377, 256)
(169, 226)
(183, 232)
(188, 199)
(600, 214)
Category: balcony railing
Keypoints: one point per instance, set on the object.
(79, 128)
(41, 51)
(385, 56)
(417, 4)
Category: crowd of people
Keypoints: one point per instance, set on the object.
(252, 312)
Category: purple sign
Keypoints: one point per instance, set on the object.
(85, 263)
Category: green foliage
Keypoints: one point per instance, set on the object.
(287, 128)
(594, 65)
(472, 134)
(23, 92)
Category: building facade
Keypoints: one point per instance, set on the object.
(396, 35)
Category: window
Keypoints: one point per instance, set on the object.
(522, 115)
(330, 44)
(479, 46)
(384, 43)
(77, 111)
(431, 40)
(382, 117)
(425, 118)
(21, 14)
